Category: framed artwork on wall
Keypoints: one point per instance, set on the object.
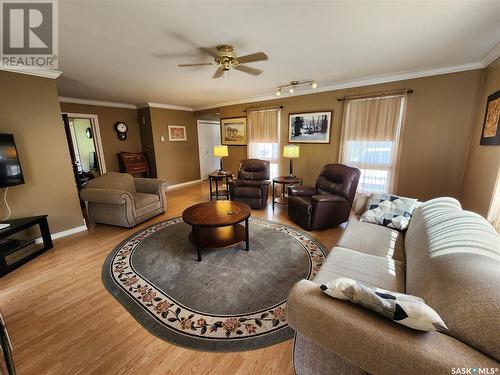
(491, 126)
(234, 131)
(310, 127)
(176, 133)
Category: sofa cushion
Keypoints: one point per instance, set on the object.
(372, 270)
(389, 210)
(247, 191)
(453, 263)
(405, 309)
(373, 239)
(143, 199)
(113, 180)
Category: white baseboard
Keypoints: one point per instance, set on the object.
(64, 233)
(182, 184)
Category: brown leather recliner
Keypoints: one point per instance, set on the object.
(328, 204)
(252, 185)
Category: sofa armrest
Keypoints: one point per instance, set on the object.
(150, 185)
(109, 196)
(372, 342)
(307, 191)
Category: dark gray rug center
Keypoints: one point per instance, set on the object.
(231, 300)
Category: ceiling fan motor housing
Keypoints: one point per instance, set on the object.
(226, 58)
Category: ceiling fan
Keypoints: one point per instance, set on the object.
(225, 59)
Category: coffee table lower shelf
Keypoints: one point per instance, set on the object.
(218, 237)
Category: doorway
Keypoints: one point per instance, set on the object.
(208, 137)
(85, 147)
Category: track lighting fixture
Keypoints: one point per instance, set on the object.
(293, 85)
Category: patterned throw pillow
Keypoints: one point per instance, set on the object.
(389, 210)
(404, 309)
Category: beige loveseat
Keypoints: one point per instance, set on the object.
(449, 257)
(120, 199)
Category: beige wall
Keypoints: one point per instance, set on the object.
(29, 109)
(434, 144)
(176, 162)
(484, 161)
(108, 117)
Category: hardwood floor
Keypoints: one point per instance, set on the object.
(63, 321)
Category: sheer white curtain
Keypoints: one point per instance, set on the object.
(264, 136)
(494, 211)
(370, 140)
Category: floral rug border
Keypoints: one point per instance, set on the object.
(187, 321)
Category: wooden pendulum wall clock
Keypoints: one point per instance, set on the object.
(121, 130)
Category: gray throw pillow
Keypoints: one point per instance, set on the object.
(404, 309)
(389, 210)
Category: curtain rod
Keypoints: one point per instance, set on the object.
(366, 96)
(262, 108)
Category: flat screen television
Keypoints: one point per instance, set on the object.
(10, 167)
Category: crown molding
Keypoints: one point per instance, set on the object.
(32, 71)
(367, 81)
(166, 106)
(491, 56)
(64, 99)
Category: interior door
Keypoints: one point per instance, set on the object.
(208, 137)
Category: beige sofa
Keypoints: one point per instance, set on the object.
(449, 257)
(120, 199)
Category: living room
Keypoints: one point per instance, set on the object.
(316, 195)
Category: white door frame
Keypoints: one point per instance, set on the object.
(96, 133)
(198, 124)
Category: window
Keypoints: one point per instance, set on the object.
(370, 140)
(263, 137)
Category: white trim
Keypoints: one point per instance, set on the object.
(165, 106)
(64, 99)
(491, 56)
(371, 80)
(32, 71)
(94, 120)
(182, 184)
(64, 233)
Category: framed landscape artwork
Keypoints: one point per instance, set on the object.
(176, 133)
(234, 131)
(491, 129)
(310, 127)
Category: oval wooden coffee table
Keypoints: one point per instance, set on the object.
(217, 225)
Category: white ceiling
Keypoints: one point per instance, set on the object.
(128, 51)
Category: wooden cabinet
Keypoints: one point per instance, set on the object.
(134, 163)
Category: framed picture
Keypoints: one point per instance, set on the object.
(234, 131)
(176, 133)
(310, 127)
(491, 129)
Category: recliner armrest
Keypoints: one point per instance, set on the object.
(109, 196)
(235, 182)
(329, 198)
(306, 191)
(372, 342)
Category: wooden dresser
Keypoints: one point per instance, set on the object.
(134, 163)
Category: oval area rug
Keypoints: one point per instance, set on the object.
(232, 300)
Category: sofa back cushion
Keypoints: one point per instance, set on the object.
(338, 179)
(453, 263)
(113, 180)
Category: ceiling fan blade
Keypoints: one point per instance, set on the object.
(249, 70)
(259, 56)
(201, 64)
(218, 73)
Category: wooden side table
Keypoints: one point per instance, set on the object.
(218, 176)
(284, 181)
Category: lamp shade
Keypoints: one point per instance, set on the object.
(291, 151)
(220, 151)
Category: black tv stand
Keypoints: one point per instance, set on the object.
(11, 249)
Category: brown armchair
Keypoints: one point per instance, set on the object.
(327, 204)
(252, 185)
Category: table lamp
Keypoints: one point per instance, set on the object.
(221, 152)
(292, 152)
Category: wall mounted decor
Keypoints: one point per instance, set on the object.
(176, 133)
(310, 127)
(491, 126)
(121, 130)
(234, 131)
